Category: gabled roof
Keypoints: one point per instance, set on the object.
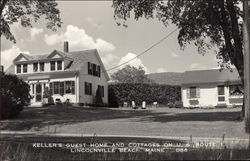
(26, 56)
(62, 54)
(77, 58)
(210, 76)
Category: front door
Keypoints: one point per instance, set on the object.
(38, 93)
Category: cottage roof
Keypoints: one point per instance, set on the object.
(211, 76)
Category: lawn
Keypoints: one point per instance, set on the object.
(123, 121)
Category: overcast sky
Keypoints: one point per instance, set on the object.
(88, 25)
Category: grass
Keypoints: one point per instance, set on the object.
(124, 121)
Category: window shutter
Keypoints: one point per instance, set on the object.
(99, 71)
(198, 92)
(90, 84)
(85, 86)
(188, 93)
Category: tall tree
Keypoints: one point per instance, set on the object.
(206, 23)
(22, 11)
(131, 74)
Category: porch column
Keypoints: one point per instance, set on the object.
(34, 92)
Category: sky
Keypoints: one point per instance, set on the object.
(90, 24)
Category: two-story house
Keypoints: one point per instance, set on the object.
(70, 76)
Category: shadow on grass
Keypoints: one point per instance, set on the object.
(45, 116)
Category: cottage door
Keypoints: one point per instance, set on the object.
(38, 93)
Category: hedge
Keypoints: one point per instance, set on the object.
(138, 92)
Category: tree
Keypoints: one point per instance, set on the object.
(130, 74)
(206, 23)
(13, 11)
(14, 94)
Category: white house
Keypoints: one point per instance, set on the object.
(209, 88)
(70, 76)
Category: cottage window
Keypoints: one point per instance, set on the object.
(56, 87)
(193, 92)
(18, 68)
(25, 68)
(88, 88)
(59, 65)
(236, 90)
(70, 87)
(221, 93)
(52, 65)
(35, 67)
(42, 66)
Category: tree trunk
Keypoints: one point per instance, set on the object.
(234, 50)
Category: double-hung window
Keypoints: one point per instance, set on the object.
(221, 93)
(25, 68)
(88, 88)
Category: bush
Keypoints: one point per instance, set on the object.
(14, 95)
(170, 105)
(139, 92)
(178, 104)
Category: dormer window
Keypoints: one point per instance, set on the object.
(52, 65)
(42, 66)
(35, 67)
(25, 68)
(59, 65)
(18, 68)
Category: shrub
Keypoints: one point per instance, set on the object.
(14, 95)
(170, 105)
(178, 104)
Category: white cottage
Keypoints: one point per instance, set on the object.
(211, 88)
(70, 76)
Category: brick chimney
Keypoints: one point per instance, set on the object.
(66, 46)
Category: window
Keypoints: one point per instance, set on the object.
(52, 65)
(94, 69)
(236, 90)
(35, 67)
(70, 87)
(193, 92)
(51, 88)
(56, 87)
(101, 88)
(59, 65)
(18, 68)
(88, 88)
(221, 93)
(61, 88)
(42, 66)
(90, 68)
(25, 68)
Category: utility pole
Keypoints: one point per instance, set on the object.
(246, 34)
